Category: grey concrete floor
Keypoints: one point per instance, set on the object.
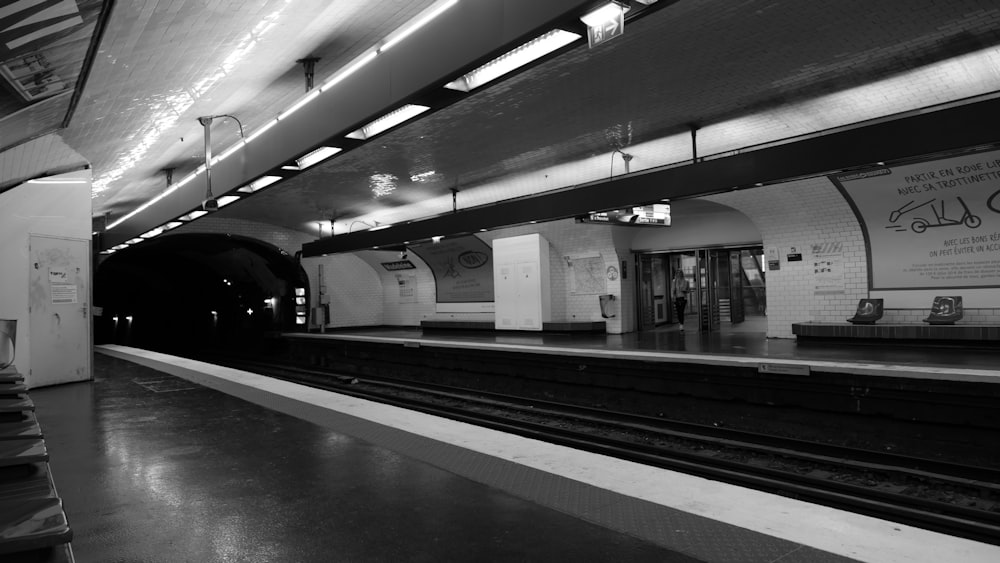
(156, 469)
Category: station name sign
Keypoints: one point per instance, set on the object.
(398, 265)
(655, 215)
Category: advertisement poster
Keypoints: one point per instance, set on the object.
(930, 225)
(463, 269)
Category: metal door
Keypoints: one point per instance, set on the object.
(59, 310)
(644, 283)
(736, 314)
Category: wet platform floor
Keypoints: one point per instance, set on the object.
(155, 468)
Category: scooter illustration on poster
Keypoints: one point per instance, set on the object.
(921, 224)
(994, 202)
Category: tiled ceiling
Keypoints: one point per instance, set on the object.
(702, 62)
(744, 72)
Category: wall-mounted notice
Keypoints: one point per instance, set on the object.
(773, 258)
(463, 269)
(407, 287)
(588, 275)
(930, 225)
(828, 268)
(61, 289)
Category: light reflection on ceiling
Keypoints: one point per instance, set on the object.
(173, 105)
(382, 184)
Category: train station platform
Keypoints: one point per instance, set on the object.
(736, 348)
(168, 459)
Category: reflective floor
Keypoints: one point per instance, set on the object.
(155, 468)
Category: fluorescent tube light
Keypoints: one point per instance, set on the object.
(228, 152)
(259, 184)
(226, 200)
(316, 156)
(152, 232)
(297, 105)
(55, 181)
(379, 227)
(135, 240)
(172, 225)
(603, 15)
(514, 59)
(388, 121)
(260, 130)
(348, 71)
(419, 23)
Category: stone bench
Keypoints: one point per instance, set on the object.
(963, 334)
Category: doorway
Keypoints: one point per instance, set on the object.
(728, 289)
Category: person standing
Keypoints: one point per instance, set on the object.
(679, 288)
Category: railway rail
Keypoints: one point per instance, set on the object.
(948, 497)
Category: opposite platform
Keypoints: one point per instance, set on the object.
(747, 349)
(701, 519)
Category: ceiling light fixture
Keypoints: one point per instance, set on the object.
(192, 216)
(316, 156)
(259, 184)
(604, 14)
(419, 23)
(172, 225)
(135, 240)
(513, 60)
(226, 200)
(152, 233)
(388, 121)
(55, 181)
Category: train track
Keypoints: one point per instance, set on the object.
(947, 497)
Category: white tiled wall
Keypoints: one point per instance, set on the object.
(807, 212)
(568, 238)
(354, 290)
(288, 240)
(397, 312)
(800, 214)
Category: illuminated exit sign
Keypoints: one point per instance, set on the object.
(607, 30)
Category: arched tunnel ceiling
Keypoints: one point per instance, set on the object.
(243, 261)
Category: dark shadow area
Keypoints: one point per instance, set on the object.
(198, 292)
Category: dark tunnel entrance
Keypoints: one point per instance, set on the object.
(189, 293)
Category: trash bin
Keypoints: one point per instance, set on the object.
(607, 305)
(8, 336)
